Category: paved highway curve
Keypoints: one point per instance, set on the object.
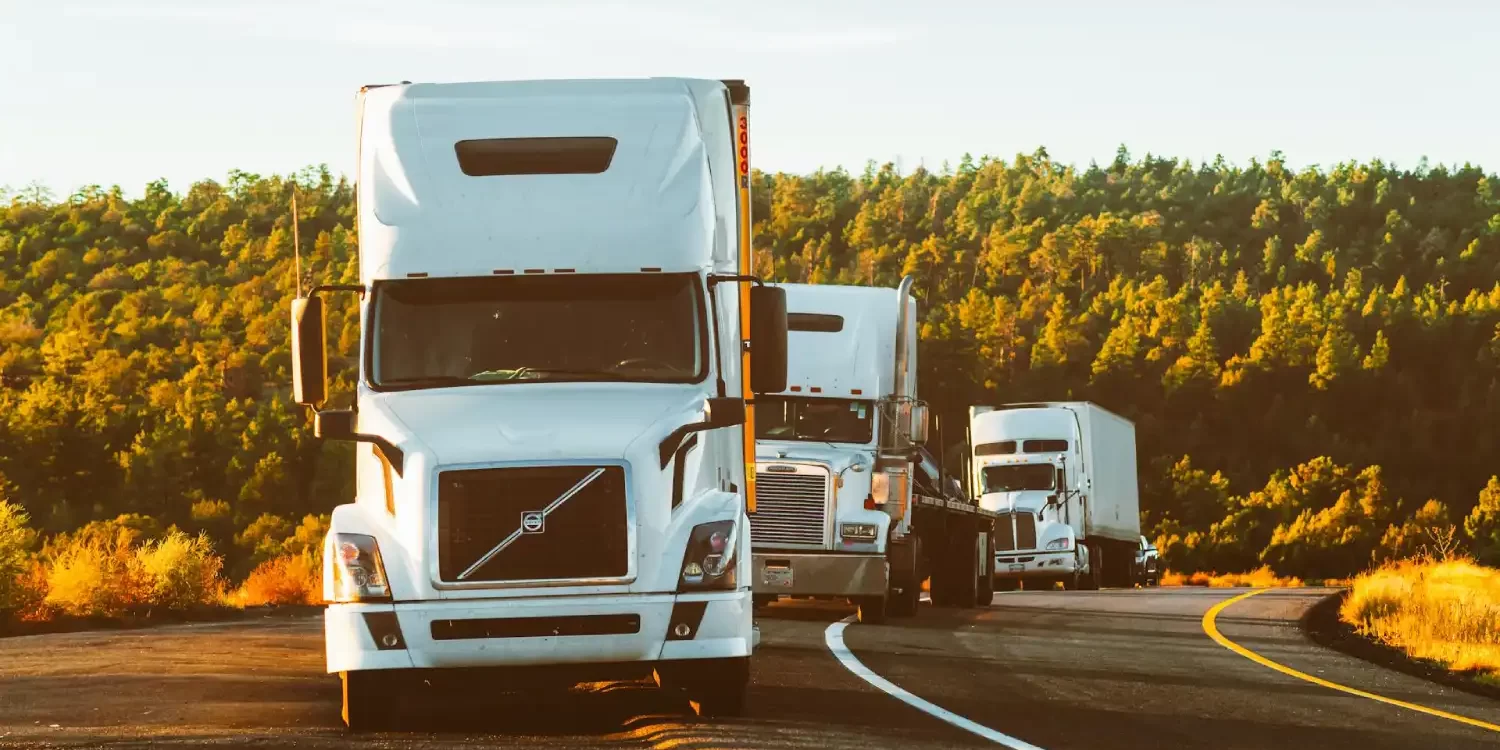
(1109, 669)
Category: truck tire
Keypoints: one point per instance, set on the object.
(367, 701)
(986, 561)
(905, 603)
(872, 609)
(1094, 579)
(718, 687)
(964, 573)
(1075, 581)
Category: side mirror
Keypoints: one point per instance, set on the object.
(309, 355)
(1062, 479)
(334, 424)
(919, 424)
(767, 339)
(725, 412)
(955, 488)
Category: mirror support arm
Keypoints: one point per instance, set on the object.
(736, 416)
(356, 288)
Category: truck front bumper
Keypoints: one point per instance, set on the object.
(560, 630)
(1034, 564)
(819, 574)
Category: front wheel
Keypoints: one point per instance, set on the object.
(872, 609)
(368, 704)
(985, 596)
(1075, 581)
(716, 687)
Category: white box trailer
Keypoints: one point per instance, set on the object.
(1063, 476)
(557, 329)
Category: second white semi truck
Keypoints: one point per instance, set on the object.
(1062, 476)
(849, 505)
(557, 329)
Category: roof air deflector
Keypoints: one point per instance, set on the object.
(493, 157)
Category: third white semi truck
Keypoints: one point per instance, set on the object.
(849, 505)
(1062, 476)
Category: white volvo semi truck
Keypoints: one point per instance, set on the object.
(1062, 476)
(846, 505)
(555, 452)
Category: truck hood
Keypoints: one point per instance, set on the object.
(834, 455)
(1025, 500)
(541, 421)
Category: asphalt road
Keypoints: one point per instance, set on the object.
(1110, 669)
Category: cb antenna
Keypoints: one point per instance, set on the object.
(296, 242)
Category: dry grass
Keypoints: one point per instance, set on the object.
(1260, 578)
(1443, 611)
(289, 579)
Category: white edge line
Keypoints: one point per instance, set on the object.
(834, 638)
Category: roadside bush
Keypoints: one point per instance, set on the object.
(289, 579)
(16, 540)
(180, 572)
(1447, 611)
(94, 576)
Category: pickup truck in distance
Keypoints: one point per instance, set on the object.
(559, 337)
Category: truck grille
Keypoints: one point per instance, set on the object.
(790, 508)
(494, 514)
(1015, 531)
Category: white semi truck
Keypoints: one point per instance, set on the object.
(1062, 476)
(554, 454)
(849, 504)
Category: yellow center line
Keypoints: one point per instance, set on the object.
(1212, 629)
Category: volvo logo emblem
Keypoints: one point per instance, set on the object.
(533, 522)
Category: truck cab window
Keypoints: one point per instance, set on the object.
(1019, 477)
(471, 331)
(831, 420)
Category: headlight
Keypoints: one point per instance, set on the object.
(709, 561)
(1063, 543)
(858, 532)
(358, 572)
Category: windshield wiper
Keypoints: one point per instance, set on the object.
(546, 373)
(429, 381)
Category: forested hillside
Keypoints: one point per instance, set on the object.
(1312, 358)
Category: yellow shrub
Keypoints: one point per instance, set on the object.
(92, 577)
(96, 576)
(289, 579)
(16, 540)
(1444, 611)
(180, 572)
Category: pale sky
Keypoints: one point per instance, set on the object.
(119, 92)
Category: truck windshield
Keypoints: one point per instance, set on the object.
(832, 420)
(1016, 477)
(471, 331)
